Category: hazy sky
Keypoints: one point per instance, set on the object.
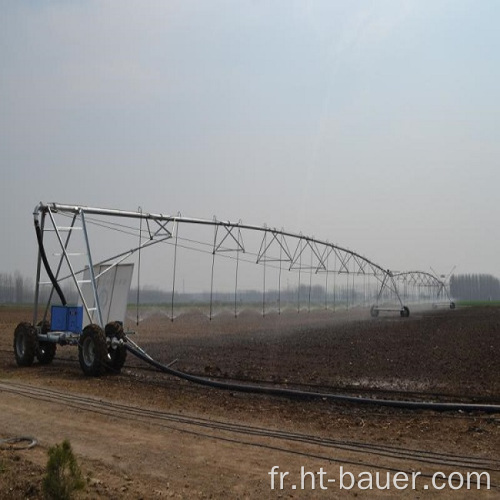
(373, 124)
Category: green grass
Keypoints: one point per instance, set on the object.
(475, 303)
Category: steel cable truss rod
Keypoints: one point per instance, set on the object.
(421, 278)
(276, 246)
(428, 281)
(115, 259)
(344, 254)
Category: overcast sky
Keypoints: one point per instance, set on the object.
(373, 124)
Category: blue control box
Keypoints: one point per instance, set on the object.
(66, 318)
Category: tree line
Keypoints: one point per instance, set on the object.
(17, 289)
(475, 287)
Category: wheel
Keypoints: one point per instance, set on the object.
(452, 305)
(405, 312)
(118, 354)
(25, 344)
(92, 350)
(374, 312)
(46, 350)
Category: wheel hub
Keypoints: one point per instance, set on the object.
(20, 344)
(88, 352)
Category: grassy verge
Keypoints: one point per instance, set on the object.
(475, 303)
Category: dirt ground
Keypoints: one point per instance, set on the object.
(144, 434)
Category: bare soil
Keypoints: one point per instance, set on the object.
(144, 434)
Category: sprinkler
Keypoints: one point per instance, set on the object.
(84, 275)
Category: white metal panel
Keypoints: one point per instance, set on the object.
(113, 285)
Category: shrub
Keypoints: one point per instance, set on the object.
(63, 476)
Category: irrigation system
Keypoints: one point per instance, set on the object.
(94, 255)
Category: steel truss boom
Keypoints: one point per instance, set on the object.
(294, 251)
(419, 278)
(346, 256)
(429, 281)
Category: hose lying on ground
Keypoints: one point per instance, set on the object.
(10, 443)
(298, 394)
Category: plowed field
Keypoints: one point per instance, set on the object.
(144, 434)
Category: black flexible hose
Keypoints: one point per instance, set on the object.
(46, 264)
(297, 394)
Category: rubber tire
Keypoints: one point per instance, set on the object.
(117, 356)
(46, 350)
(25, 344)
(405, 312)
(374, 312)
(92, 351)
